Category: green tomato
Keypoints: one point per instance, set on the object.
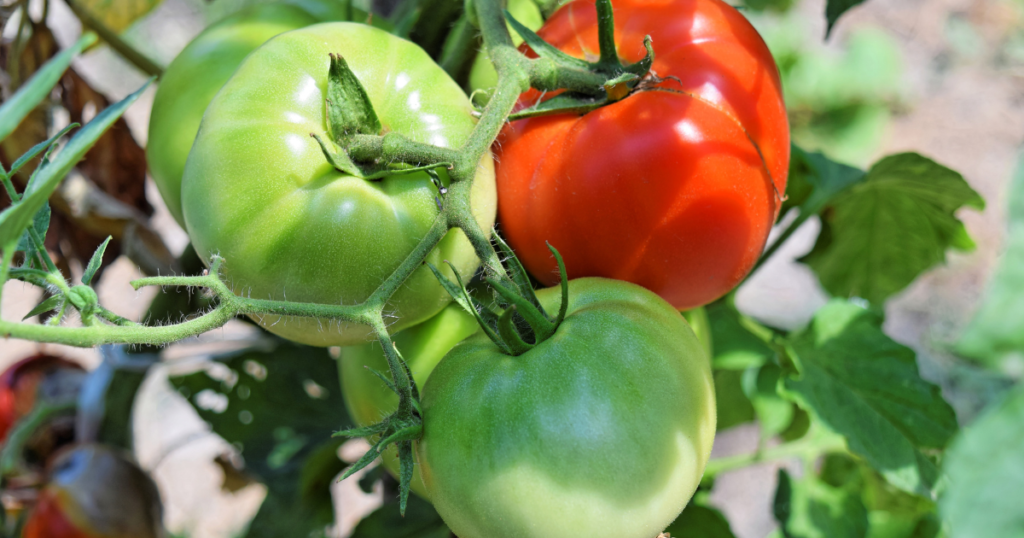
(482, 76)
(603, 430)
(259, 192)
(367, 398)
(201, 69)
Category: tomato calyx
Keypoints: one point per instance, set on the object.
(522, 323)
(620, 79)
(349, 115)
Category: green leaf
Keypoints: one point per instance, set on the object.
(700, 521)
(996, 334)
(280, 407)
(40, 224)
(735, 347)
(118, 15)
(420, 521)
(349, 111)
(986, 469)
(866, 387)
(814, 180)
(48, 304)
(835, 9)
(732, 404)
(15, 219)
(773, 412)
(95, 261)
(880, 234)
(810, 508)
(39, 148)
(39, 86)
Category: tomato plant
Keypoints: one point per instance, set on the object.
(94, 492)
(601, 430)
(323, 235)
(674, 189)
(199, 71)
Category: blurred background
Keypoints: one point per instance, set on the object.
(944, 78)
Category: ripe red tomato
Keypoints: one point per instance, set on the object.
(39, 376)
(674, 189)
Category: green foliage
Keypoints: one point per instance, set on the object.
(866, 387)
(996, 334)
(733, 406)
(38, 87)
(881, 233)
(420, 521)
(699, 520)
(15, 219)
(836, 8)
(810, 508)
(282, 407)
(986, 470)
(735, 346)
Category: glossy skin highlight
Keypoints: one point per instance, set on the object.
(259, 192)
(674, 189)
(601, 431)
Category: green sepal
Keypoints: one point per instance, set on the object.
(361, 432)
(114, 318)
(543, 48)
(408, 433)
(643, 67)
(45, 145)
(563, 308)
(51, 303)
(95, 261)
(517, 272)
(485, 318)
(349, 110)
(384, 378)
(405, 466)
(510, 333)
(564, 103)
(338, 158)
(341, 161)
(542, 326)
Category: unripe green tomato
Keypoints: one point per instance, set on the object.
(602, 430)
(259, 192)
(483, 76)
(95, 492)
(367, 398)
(201, 69)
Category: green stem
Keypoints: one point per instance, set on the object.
(12, 193)
(121, 46)
(5, 268)
(781, 240)
(411, 263)
(806, 448)
(23, 430)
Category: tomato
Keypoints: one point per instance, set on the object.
(37, 377)
(603, 430)
(198, 72)
(674, 189)
(482, 76)
(368, 400)
(258, 190)
(95, 492)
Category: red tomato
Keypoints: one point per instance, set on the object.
(674, 189)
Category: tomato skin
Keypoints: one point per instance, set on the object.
(674, 189)
(95, 492)
(368, 400)
(23, 381)
(201, 69)
(259, 192)
(601, 431)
